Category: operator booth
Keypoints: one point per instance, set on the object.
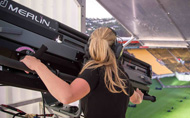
(61, 48)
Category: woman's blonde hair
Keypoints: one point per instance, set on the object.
(101, 54)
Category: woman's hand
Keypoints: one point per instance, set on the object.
(140, 93)
(137, 97)
(31, 62)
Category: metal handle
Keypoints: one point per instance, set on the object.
(150, 98)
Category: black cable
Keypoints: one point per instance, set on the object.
(82, 115)
(16, 115)
(44, 112)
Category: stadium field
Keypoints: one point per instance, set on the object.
(170, 103)
(173, 81)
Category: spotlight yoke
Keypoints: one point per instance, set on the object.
(22, 32)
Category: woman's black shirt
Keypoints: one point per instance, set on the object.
(100, 102)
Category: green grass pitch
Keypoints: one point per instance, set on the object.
(177, 100)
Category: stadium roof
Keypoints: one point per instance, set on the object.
(155, 23)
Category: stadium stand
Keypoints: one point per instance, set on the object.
(145, 56)
(183, 54)
(169, 59)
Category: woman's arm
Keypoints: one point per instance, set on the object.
(61, 90)
(137, 97)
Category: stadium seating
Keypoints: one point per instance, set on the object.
(184, 54)
(170, 59)
(145, 56)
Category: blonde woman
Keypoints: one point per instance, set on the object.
(103, 89)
